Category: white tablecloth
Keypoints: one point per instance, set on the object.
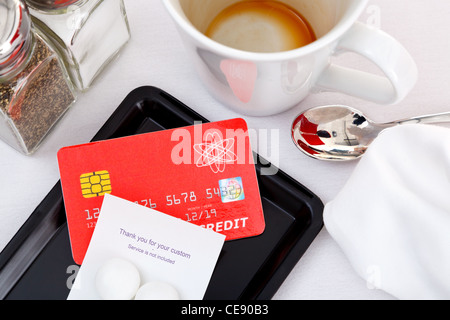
(155, 56)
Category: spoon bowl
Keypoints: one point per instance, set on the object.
(341, 133)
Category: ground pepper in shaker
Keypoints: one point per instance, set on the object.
(35, 91)
(87, 34)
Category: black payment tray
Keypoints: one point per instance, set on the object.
(37, 264)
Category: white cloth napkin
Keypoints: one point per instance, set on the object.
(392, 218)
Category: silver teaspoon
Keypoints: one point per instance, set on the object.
(340, 133)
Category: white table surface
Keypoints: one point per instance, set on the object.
(155, 56)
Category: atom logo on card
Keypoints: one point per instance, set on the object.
(215, 152)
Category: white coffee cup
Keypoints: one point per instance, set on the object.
(262, 84)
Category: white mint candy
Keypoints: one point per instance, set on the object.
(117, 279)
(156, 290)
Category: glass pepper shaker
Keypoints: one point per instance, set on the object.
(35, 90)
(87, 34)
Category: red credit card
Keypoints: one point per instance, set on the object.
(203, 174)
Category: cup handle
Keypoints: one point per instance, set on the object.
(387, 53)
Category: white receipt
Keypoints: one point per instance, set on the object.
(162, 247)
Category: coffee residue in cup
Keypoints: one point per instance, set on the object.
(261, 26)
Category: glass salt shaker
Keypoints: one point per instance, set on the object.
(87, 34)
(35, 90)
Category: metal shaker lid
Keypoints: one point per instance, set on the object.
(15, 34)
(51, 4)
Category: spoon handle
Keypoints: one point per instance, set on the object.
(429, 119)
